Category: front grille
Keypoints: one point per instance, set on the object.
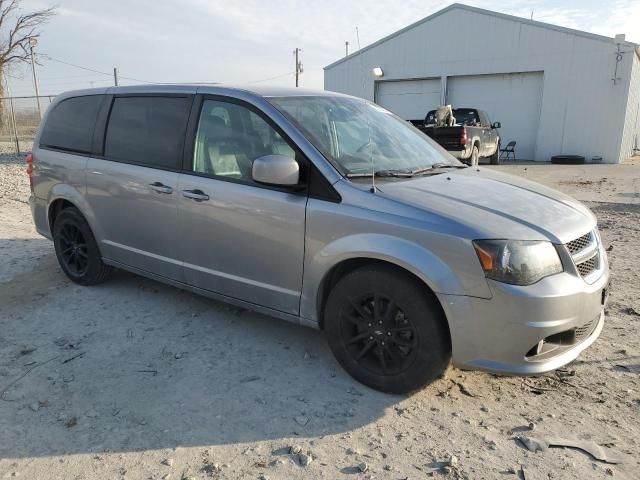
(587, 267)
(579, 243)
(586, 255)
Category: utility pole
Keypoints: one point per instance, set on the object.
(115, 76)
(14, 128)
(346, 49)
(299, 68)
(32, 43)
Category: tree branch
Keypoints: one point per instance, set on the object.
(16, 47)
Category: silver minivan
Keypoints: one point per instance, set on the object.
(324, 210)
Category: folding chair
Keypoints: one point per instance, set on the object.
(509, 150)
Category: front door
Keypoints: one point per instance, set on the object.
(239, 238)
(132, 191)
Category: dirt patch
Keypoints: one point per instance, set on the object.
(137, 380)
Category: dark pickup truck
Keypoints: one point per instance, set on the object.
(471, 138)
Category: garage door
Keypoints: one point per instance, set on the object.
(409, 99)
(513, 99)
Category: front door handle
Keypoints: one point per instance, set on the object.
(197, 195)
(160, 187)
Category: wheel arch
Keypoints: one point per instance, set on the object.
(64, 196)
(329, 265)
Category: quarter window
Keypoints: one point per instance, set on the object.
(147, 130)
(70, 124)
(230, 137)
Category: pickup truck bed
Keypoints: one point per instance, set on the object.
(473, 137)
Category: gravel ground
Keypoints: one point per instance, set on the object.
(137, 380)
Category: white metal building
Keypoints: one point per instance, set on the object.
(555, 90)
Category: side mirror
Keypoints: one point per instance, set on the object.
(276, 170)
(496, 125)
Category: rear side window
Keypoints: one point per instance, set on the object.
(147, 130)
(70, 124)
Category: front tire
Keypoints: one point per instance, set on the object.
(76, 248)
(386, 329)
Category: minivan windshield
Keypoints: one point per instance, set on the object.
(359, 137)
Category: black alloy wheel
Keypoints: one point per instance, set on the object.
(387, 329)
(73, 249)
(76, 248)
(378, 335)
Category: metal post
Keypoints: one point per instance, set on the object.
(346, 49)
(13, 124)
(33, 42)
(115, 76)
(297, 64)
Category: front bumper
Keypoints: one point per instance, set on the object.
(527, 330)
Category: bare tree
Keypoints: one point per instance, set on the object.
(17, 30)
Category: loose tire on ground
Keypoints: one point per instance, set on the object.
(76, 249)
(567, 159)
(386, 329)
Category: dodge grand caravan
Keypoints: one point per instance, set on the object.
(324, 210)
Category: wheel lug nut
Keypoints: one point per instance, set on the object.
(382, 343)
(380, 322)
(369, 324)
(371, 338)
(388, 334)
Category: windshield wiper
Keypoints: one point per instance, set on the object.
(382, 173)
(406, 173)
(436, 166)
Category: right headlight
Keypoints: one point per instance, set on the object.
(518, 262)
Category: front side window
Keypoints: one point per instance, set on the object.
(358, 136)
(230, 137)
(147, 130)
(70, 124)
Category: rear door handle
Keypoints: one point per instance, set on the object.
(160, 187)
(197, 195)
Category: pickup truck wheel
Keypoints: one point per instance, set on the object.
(77, 250)
(495, 158)
(386, 330)
(475, 156)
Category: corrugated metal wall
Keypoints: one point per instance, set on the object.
(582, 110)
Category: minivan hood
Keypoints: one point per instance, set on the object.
(495, 205)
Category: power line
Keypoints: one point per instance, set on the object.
(49, 57)
(110, 74)
(272, 78)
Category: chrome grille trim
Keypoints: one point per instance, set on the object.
(586, 254)
(580, 243)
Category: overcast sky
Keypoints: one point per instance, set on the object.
(246, 41)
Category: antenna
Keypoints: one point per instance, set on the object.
(373, 167)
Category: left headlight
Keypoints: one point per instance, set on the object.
(517, 262)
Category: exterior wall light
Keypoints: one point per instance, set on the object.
(377, 72)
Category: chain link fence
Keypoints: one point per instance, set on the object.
(19, 120)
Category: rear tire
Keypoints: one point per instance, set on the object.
(76, 248)
(386, 330)
(495, 158)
